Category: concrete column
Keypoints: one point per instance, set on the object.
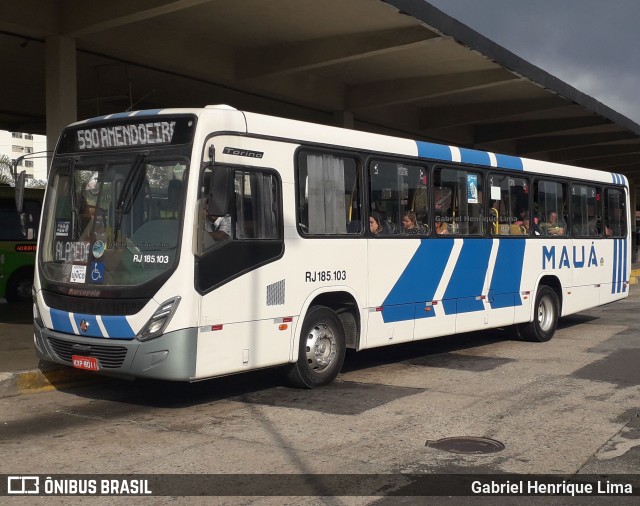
(61, 86)
(343, 119)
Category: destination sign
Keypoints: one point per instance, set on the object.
(136, 134)
(142, 132)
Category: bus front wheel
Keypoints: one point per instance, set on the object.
(19, 286)
(545, 317)
(322, 349)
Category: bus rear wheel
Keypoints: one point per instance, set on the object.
(545, 317)
(322, 349)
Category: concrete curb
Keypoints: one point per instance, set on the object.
(43, 380)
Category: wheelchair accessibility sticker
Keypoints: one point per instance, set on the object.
(96, 272)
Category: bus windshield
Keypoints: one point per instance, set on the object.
(112, 221)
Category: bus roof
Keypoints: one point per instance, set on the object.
(300, 131)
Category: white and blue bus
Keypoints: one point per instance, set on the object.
(185, 244)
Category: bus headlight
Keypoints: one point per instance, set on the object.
(36, 311)
(159, 320)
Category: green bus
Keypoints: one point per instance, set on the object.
(18, 237)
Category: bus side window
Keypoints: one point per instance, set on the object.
(328, 194)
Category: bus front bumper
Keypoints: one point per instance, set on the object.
(171, 356)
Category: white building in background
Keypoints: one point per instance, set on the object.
(16, 144)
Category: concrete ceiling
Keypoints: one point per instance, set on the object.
(399, 67)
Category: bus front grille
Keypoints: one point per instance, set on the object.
(109, 357)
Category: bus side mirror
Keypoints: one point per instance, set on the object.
(20, 191)
(220, 191)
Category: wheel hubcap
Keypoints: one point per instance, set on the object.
(321, 347)
(545, 314)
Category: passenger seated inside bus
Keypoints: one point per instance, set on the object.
(410, 224)
(553, 226)
(523, 222)
(378, 226)
(442, 228)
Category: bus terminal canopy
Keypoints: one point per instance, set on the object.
(399, 67)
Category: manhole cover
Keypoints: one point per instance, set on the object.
(466, 444)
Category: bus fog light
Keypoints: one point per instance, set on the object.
(159, 320)
(159, 356)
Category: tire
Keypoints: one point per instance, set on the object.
(19, 286)
(545, 317)
(322, 349)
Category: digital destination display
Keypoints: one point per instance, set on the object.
(147, 131)
(137, 134)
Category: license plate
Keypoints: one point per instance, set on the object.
(89, 363)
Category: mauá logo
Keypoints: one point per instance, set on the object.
(577, 260)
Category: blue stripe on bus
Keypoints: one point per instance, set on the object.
(419, 280)
(615, 266)
(93, 330)
(442, 152)
(624, 270)
(475, 157)
(437, 151)
(468, 276)
(117, 327)
(61, 321)
(399, 313)
(504, 290)
(621, 263)
(509, 162)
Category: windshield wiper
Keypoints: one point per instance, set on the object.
(128, 192)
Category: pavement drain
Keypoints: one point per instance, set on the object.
(466, 444)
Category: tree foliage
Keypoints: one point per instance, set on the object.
(6, 168)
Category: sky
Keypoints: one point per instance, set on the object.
(593, 45)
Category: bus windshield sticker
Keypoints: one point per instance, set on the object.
(62, 228)
(472, 188)
(97, 272)
(67, 251)
(98, 249)
(78, 273)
